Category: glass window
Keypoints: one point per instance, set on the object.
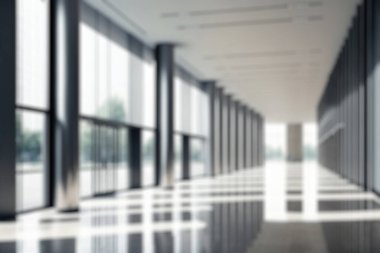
(88, 77)
(205, 113)
(86, 157)
(178, 104)
(136, 88)
(187, 108)
(275, 141)
(195, 109)
(102, 65)
(117, 86)
(191, 106)
(32, 53)
(31, 160)
(149, 92)
(118, 76)
(32, 91)
(197, 157)
(117, 73)
(122, 165)
(148, 158)
(178, 152)
(310, 143)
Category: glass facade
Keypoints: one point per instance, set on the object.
(178, 152)
(148, 158)
(32, 103)
(86, 158)
(103, 158)
(117, 73)
(197, 157)
(191, 119)
(118, 91)
(117, 95)
(275, 141)
(191, 106)
(31, 160)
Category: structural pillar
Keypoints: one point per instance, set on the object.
(246, 136)
(294, 143)
(209, 87)
(261, 142)
(7, 109)
(232, 133)
(253, 138)
(134, 145)
(228, 134)
(238, 135)
(65, 20)
(222, 131)
(186, 175)
(165, 114)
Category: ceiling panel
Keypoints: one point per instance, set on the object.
(273, 55)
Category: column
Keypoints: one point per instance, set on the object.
(253, 138)
(134, 147)
(217, 140)
(294, 143)
(7, 109)
(165, 114)
(209, 87)
(244, 139)
(65, 37)
(221, 131)
(261, 140)
(238, 134)
(225, 134)
(232, 127)
(228, 134)
(186, 175)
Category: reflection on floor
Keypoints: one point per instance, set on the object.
(282, 208)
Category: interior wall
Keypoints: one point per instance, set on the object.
(342, 108)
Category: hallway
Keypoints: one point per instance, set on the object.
(282, 208)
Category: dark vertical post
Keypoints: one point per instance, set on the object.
(248, 123)
(228, 134)
(135, 148)
(252, 138)
(237, 128)
(186, 158)
(261, 134)
(221, 129)
(165, 115)
(294, 142)
(232, 125)
(65, 21)
(209, 88)
(217, 141)
(219, 134)
(244, 139)
(7, 109)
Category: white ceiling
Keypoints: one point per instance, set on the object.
(273, 55)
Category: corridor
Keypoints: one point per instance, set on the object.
(283, 207)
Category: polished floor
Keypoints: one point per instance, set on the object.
(280, 208)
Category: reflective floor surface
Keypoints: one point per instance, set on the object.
(280, 208)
